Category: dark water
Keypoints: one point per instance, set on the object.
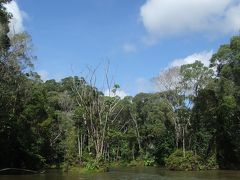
(132, 174)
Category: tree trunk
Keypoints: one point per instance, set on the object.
(183, 141)
(133, 151)
(79, 145)
(137, 132)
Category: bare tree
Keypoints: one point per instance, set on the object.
(168, 79)
(99, 111)
(167, 82)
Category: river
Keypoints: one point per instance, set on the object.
(150, 173)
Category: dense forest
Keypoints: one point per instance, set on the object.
(191, 121)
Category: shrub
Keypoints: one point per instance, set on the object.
(176, 161)
(148, 160)
(138, 162)
(92, 165)
(143, 161)
(212, 162)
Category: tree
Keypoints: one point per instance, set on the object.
(226, 62)
(15, 69)
(99, 110)
(195, 77)
(168, 83)
(4, 30)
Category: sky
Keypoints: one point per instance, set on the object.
(139, 38)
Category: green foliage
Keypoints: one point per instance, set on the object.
(4, 20)
(71, 123)
(138, 163)
(177, 161)
(195, 76)
(69, 144)
(226, 61)
(149, 161)
(211, 163)
(92, 165)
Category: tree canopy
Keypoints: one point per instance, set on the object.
(193, 117)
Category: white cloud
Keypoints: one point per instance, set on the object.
(119, 93)
(204, 57)
(174, 17)
(44, 75)
(129, 48)
(16, 23)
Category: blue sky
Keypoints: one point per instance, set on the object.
(138, 37)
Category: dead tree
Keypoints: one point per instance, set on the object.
(99, 111)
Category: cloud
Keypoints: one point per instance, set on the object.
(175, 17)
(44, 75)
(204, 57)
(16, 23)
(129, 48)
(119, 93)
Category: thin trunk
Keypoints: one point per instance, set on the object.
(108, 153)
(133, 151)
(79, 144)
(137, 132)
(82, 142)
(183, 141)
(103, 135)
(117, 153)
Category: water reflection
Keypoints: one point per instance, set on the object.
(132, 174)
